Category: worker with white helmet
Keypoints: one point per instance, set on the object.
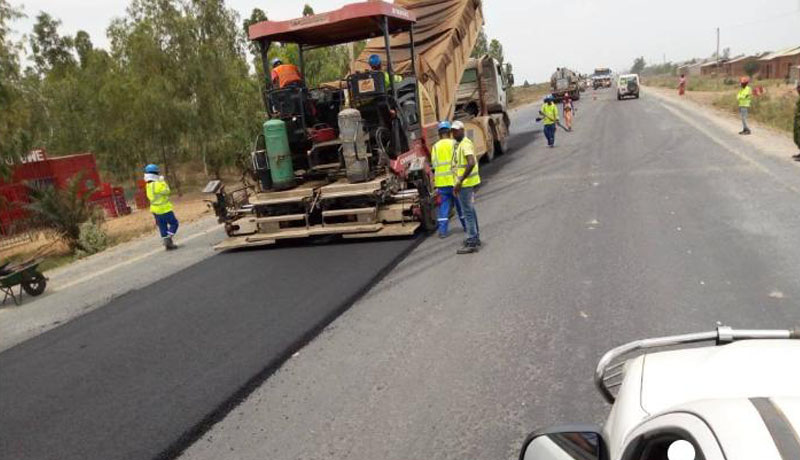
(467, 178)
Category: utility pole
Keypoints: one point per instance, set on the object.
(717, 44)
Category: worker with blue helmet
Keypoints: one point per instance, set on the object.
(444, 178)
(158, 192)
(549, 117)
(376, 64)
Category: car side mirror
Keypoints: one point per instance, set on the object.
(510, 80)
(579, 442)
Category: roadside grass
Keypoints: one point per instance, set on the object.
(526, 95)
(774, 108)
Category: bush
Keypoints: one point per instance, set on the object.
(92, 239)
(62, 211)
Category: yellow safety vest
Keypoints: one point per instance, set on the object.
(158, 193)
(550, 112)
(397, 79)
(442, 162)
(464, 149)
(745, 96)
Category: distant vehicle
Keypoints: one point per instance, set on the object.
(565, 81)
(738, 400)
(628, 86)
(601, 78)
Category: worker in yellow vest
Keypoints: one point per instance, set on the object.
(158, 194)
(444, 178)
(376, 65)
(549, 113)
(745, 98)
(467, 178)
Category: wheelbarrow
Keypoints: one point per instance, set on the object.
(26, 275)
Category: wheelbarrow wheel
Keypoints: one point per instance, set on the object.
(35, 284)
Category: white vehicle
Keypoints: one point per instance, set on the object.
(739, 400)
(628, 86)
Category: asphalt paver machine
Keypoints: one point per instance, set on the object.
(348, 159)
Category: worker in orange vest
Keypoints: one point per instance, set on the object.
(284, 75)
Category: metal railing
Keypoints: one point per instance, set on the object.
(609, 376)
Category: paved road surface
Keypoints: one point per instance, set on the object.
(637, 224)
(126, 381)
(644, 221)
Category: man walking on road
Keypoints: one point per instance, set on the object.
(158, 193)
(444, 178)
(745, 98)
(549, 113)
(797, 123)
(467, 178)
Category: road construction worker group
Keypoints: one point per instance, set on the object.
(455, 176)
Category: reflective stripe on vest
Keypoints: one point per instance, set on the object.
(158, 194)
(464, 149)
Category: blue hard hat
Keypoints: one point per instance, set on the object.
(549, 98)
(374, 60)
(276, 61)
(444, 125)
(151, 169)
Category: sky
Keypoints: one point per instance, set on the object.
(540, 35)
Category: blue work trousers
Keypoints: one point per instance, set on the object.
(550, 133)
(447, 200)
(167, 223)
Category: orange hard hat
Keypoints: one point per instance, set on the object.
(744, 80)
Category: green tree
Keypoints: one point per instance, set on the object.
(15, 114)
(751, 68)
(496, 51)
(50, 50)
(638, 65)
(307, 10)
(481, 45)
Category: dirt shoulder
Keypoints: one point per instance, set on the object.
(765, 139)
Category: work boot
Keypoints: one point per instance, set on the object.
(746, 132)
(467, 249)
(796, 157)
(168, 244)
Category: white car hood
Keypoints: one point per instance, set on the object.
(745, 369)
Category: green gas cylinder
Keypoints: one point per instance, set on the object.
(279, 155)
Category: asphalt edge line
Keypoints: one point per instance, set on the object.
(724, 144)
(196, 432)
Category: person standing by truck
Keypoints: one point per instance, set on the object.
(549, 113)
(467, 178)
(568, 108)
(444, 179)
(158, 193)
(745, 98)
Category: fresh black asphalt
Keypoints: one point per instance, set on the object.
(143, 376)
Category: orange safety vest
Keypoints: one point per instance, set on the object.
(286, 74)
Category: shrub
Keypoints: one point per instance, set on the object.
(62, 211)
(92, 239)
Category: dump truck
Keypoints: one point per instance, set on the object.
(482, 105)
(565, 81)
(601, 78)
(352, 159)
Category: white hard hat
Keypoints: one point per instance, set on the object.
(458, 125)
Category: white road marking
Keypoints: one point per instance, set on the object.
(130, 261)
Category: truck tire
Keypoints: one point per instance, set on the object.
(500, 147)
(576, 96)
(488, 157)
(427, 202)
(619, 98)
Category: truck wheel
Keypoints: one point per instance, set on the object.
(427, 202)
(619, 98)
(488, 157)
(576, 96)
(500, 147)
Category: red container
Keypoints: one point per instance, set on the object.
(322, 133)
